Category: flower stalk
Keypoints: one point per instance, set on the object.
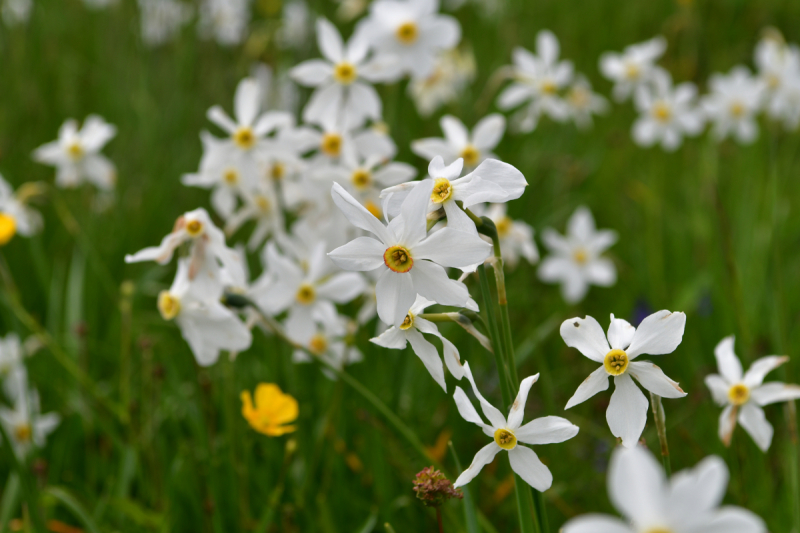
(661, 426)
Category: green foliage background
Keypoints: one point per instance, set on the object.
(712, 230)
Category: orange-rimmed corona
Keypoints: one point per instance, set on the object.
(398, 259)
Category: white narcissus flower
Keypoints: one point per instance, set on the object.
(734, 102)
(667, 113)
(453, 71)
(411, 262)
(658, 334)
(409, 32)
(779, 67)
(688, 502)
(309, 293)
(743, 394)
(25, 424)
(538, 79)
(411, 330)
(516, 237)
(161, 20)
(492, 181)
(343, 92)
(206, 324)
(329, 341)
(509, 432)
(576, 260)
(15, 215)
(459, 143)
(76, 154)
(262, 206)
(583, 102)
(633, 68)
(225, 21)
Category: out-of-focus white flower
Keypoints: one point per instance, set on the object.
(491, 181)
(583, 102)
(667, 113)
(410, 261)
(453, 71)
(634, 67)
(350, 9)
(458, 143)
(76, 154)
(658, 334)
(161, 20)
(261, 205)
(538, 80)
(15, 215)
(25, 424)
(688, 502)
(411, 32)
(343, 92)
(206, 324)
(99, 4)
(278, 91)
(328, 340)
(12, 369)
(743, 394)
(779, 67)
(509, 432)
(16, 11)
(516, 237)
(295, 29)
(734, 102)
(411, 330)
(226, 21)
(575, 262)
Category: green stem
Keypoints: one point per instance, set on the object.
(661, 426)
(470, 515)
(29, 491)
(494, 336)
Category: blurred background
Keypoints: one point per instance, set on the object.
(711, 229)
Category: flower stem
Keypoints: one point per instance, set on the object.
(439, 519)
(661, 425)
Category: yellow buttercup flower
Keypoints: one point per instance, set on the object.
(8, 227)
(273, 409)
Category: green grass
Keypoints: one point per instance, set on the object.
(187, 461)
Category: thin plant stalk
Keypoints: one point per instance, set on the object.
(661, 426)
(470, 514)
(439, 519)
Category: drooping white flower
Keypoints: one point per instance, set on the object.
(411, 330)
(76, 154)
(492, 181)
(667, 113)
(583, 102)
(688, 502)
(516, 237)
(459, 143)
(343, 92)
(509, 432)
(410, 32)
(576, 260)
(779, 67)
(538, 78)
(658, 334)
(744, 393)
(25, 424)
(734, 102)
(453, 71)
(411, 262)
(161, 20)
(633, 68)
(225, 21)
(15, 215)
(206, 324)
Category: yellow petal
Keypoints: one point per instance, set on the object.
(8, 227)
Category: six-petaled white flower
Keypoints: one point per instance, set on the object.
(734, 101)
(667, 112)
(634, 67)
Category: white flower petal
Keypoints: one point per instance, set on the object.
(428, 355)
(246, 101)
(395, 294)
(468, 412)
(654, 380)
(432, 147)
(697, 491)
(596, 523)
(587, 336)
(596, 382)
(547, 430)
(311, 73)
(636, 484)
(719, 388)
(430, 280)
(221, 119)
(496, 418)
(488, 132)
(454, 131)
(358, 215)
(728, 364)
(517, 410)
(530, 468)
(343, 287)
(453, 248)
(484, 456)
(361, 254)
(774, 392)
(761, 367)
(508, 177)
(620, 333)
(393, 338)
(329, 40)
(734, 520)
(754, 421)
(414, 210)
(659, 333)
(627, 411)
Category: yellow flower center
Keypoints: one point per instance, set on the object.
(8, 228)
(737, 109)
(662, 112)
(398, 259)
(548, 87)
(278, 171)
(739, 394)
(442, 190)
(231, 176)
(244, 138)
(471, 155)
(579, 97)
(503, 226)
(168, 305)
(373, 208)
(361, 178)
(75, 151)
(331, 144)
(580, 256)
(632, 71)
(505, 438)
(407, 33)
(408, 321)
(194, 228)
(263, 203)
(22, 432)
(318, 344)
(658, 530)
(616, 362)
(345, 73)
(306, 294)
